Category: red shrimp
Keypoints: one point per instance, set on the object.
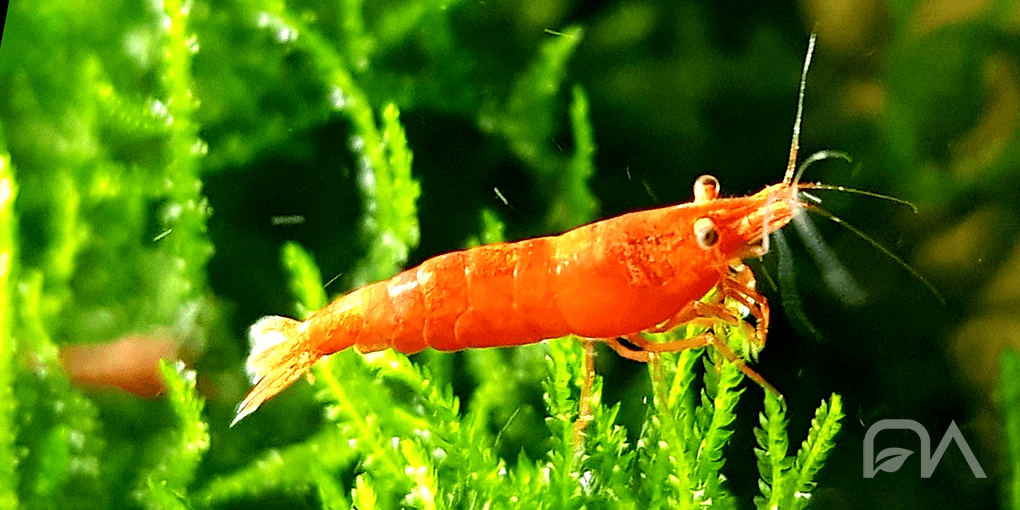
(641, 272)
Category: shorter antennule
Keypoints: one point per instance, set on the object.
(818, 156)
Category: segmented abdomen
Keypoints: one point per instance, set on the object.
(490, 295)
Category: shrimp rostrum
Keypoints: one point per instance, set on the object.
(646, 271)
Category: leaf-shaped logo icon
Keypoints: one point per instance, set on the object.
(894, 458)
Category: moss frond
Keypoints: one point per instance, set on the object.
(773, 443)
(8, 278)
(566, 375)
(305, 281)
(528, 121)
(168, 483)
(787, 482)
(820, 441)
(577, 205)
(314, 461)
(186, 213)
(51, 414)
(363, 494)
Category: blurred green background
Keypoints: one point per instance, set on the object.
(156, 190)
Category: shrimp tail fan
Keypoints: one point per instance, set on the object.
(280, 354)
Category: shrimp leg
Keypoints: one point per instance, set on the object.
(738, 286)
(718, 344)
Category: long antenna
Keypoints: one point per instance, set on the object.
(791, 165)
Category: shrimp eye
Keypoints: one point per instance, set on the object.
(706, 188)
(705, 233)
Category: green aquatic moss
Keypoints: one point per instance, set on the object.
(122, 119)
(787, 482)
(8, 277)
(167, 484)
